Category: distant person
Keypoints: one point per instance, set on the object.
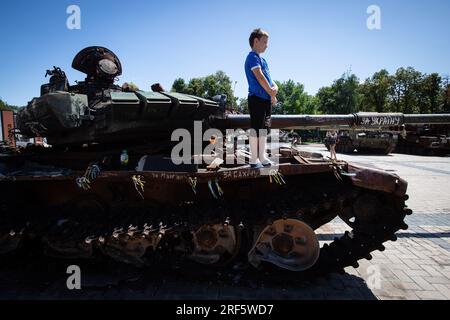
(262, 95)
(403, 131)
(332, 140)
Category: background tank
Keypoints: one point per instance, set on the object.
(108, 188)
(425, 140)
(364, 141)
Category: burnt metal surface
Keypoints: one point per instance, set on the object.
(215, 221)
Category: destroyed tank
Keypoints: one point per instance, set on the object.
(425, 134)
(365, 141)
(428, 140)
(107, 186)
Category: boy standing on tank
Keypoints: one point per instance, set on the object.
(262, 94)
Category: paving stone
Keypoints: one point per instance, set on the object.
(422, 283)
(413, 273)
(431, 271)
(436, 280)
(401, 275)
(411, 264)
(403, 285)
(430, 295)
(443, 289)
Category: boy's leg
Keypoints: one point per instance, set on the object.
(263, 136)
(262, 148)
(253, 141)
(255, 124)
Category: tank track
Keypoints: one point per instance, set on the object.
(89, 228)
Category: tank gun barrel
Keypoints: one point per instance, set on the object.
(427, 118)
(362, 119)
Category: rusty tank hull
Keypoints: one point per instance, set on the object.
(215, 221)
(108, 187)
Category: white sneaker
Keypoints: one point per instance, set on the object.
(267, 163)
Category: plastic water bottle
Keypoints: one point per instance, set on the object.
(124, 158)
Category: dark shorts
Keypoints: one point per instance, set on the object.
(260, 113)
(332, 141)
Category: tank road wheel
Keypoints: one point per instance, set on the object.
(70, 235)
(132, 245)
(11, 232)
(288, 243)
(10, 241)
(135, 237)
(214, 244)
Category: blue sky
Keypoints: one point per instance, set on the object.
(311, 42)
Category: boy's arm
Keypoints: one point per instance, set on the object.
(275, 86)
(263, 82)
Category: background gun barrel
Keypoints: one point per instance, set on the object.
(362, 119)
(242, 121)
(427, 118)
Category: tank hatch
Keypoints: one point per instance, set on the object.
(97, 62)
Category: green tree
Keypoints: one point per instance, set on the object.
(341, 97)
(208, 87)
(220, 83)
(6, 106)
(243, 105)
(293, 99)
(404, 90)
(196, 87)
(375, 92)
(179, 85)
(445, 95)
(2, 105)
(428, 95)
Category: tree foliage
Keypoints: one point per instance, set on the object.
(375, 92)
(179, 85)
(293, 99)
(208, 87)
(342, 97)
(243, 105)
(445, 97)
(6, 106)
(405, 91)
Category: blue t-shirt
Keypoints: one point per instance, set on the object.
(253, 61)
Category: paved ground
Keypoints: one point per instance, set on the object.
(416, 266)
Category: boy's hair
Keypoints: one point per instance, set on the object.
(257, 34)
